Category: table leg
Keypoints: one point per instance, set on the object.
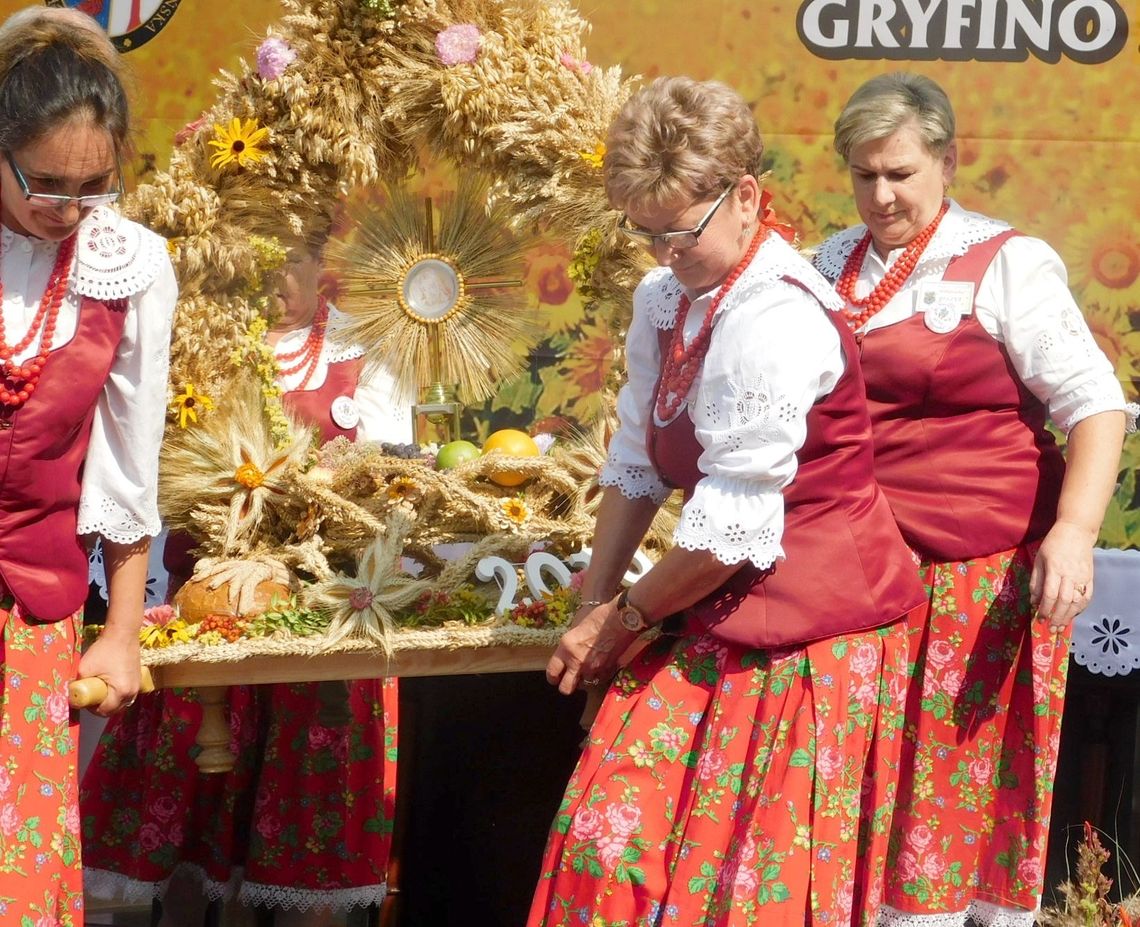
(214, 733)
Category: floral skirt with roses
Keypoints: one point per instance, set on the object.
(724, 787)
(983, 729)
(304, 819)
(40, 879)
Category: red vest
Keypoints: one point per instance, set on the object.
(314, 406)
(42, 448)
(961, 448)
(847, 568)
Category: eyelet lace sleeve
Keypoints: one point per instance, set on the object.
(772, 356)
(119, 496)
(1024, 302)
(627, 465)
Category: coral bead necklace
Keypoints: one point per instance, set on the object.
(680, 364)
(18, 381)
(891, 283)
(309, 353)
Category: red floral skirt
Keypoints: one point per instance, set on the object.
(40, 876)
(983, 729)
(304, 819)
(723, 786)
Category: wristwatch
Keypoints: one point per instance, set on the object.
(630, 615)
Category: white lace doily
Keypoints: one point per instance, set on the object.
(156, 576)
(117, 257)
(1106, 635)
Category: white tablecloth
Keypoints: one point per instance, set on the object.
(1106, 635)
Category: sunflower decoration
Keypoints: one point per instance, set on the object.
(362, 606)
(442, 305)
(229, 476)
(1104, 260)
(238, 143)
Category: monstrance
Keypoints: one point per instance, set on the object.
(444, 307)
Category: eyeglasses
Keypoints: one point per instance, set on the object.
(678, 241)
(58, 201)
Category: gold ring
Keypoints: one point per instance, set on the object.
(1082, 589)
(590, 682)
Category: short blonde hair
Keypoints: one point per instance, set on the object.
(680, 138)
(886, 103)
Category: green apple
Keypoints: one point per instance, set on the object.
(454, 453)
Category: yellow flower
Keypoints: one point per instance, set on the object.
(187, 403)
(403, 489)
(596, 157)
(172, 246)
(515, 509)
(238, 142)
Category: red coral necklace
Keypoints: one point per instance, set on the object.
(19, 380)
(681, 363)
(309, 353)
(891, 283)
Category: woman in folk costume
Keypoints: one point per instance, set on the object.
(740, 770)
(969, 340)
(87, 303)
(303, 823)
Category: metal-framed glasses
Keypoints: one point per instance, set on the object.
(678, 241)
(60, 201)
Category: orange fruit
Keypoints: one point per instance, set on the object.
(512, 443)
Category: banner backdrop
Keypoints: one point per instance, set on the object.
(1044, 92)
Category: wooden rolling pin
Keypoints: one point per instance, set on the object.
(91, 690)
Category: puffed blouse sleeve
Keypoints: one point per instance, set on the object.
(1026, 294)
(771, 358)
(627, 464)
(119, 498)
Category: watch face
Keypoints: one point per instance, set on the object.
(631, 619)
(430, 290)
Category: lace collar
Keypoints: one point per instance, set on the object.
(959, 231)
(337, 345)
(117, 257)
(775, 259)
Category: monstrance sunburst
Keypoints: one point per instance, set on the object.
(443, 306)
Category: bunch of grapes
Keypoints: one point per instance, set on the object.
(227, 627)
(403, 451)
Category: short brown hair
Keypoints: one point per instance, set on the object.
(679, 137)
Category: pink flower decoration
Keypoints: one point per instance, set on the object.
(189, 130)
(273, 57)
(360, 598)
(458, 44)
(569, 61)
(158, 614)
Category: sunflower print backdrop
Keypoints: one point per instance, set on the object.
(1052, 148)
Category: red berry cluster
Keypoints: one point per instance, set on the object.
(534, 615)
(230, 627)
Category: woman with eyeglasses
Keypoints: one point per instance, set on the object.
(87, 303)
(739, 770)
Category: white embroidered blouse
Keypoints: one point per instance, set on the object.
(115, 258)
(772, 355)
(1023, 301)
(385, 409)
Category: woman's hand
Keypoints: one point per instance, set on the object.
(588, 653)
(1061, 583)
(114, 657)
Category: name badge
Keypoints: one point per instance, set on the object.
(345, 412)
(944, 303)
